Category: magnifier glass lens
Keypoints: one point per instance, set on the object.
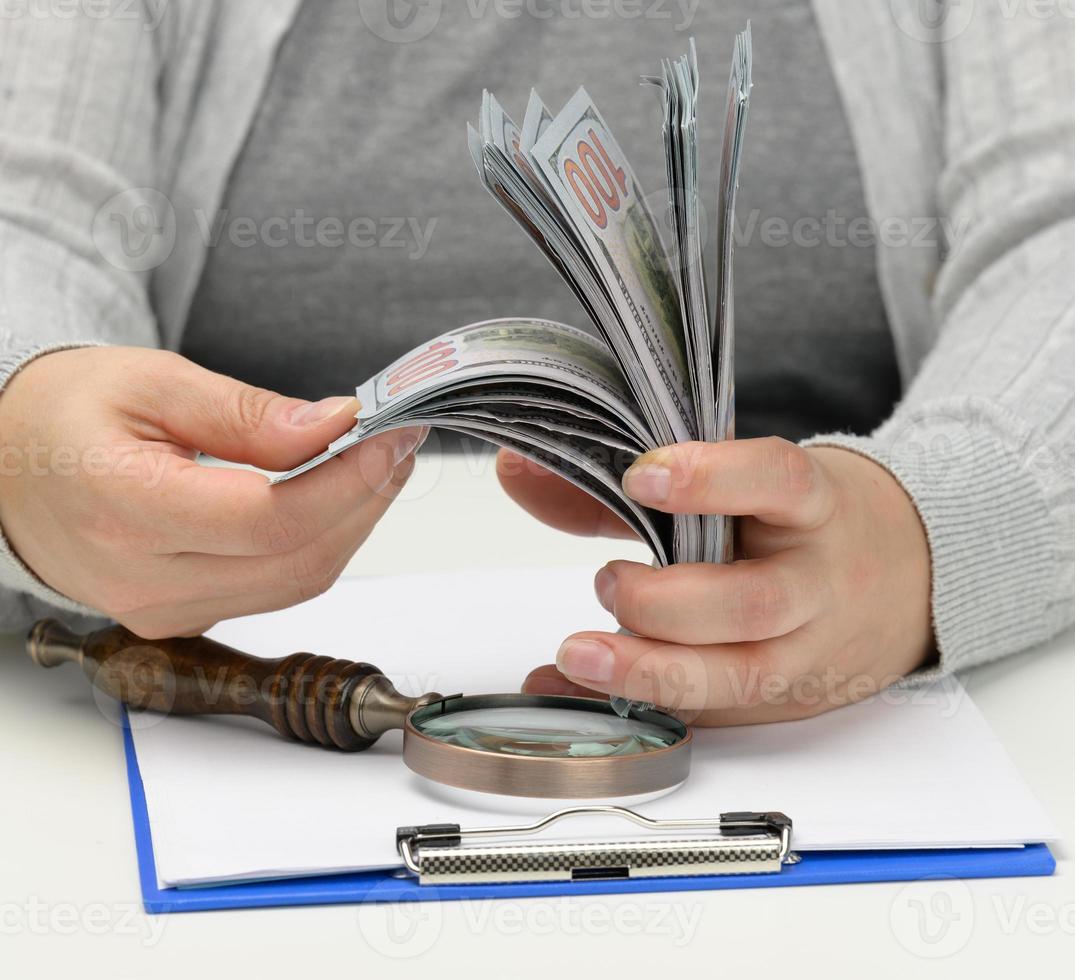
(555, 733)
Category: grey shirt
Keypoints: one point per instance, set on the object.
(354, 227)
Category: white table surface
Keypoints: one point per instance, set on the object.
(69, 897)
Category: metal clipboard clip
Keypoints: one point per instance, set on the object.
(734, 843)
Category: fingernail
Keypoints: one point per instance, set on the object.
(406, 442)
(605, 587)
(586, 660)
(312, 413)
(648, 483)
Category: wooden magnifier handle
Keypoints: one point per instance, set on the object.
(338, 704)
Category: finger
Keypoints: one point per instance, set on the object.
(756, 539)
(771, 479)
(705, 603)
(548, 680)
(555, 501)
(239, 422)
(299, 574)
(680, 678)
(200, 589)
(188, 507)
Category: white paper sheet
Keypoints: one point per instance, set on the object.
(229, 799)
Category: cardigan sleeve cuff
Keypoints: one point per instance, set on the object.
(976, 476)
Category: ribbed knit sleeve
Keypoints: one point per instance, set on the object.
(83, 221)
(984, 439)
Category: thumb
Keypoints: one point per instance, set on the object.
(244, 424)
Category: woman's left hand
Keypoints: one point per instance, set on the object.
(827, 603)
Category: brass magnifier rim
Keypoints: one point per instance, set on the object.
(542, 777)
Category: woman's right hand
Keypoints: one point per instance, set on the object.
(101, 496)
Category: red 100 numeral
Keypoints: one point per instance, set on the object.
(596, 180)
(434, 360)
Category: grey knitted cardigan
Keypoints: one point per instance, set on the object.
(967, 120)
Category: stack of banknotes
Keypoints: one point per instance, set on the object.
(662, 371)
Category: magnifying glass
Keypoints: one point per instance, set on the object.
(516, 745)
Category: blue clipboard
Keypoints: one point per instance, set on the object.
(815, 868)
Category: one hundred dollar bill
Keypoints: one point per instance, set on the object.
(661, 370)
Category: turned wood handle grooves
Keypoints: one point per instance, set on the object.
(303, 696)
